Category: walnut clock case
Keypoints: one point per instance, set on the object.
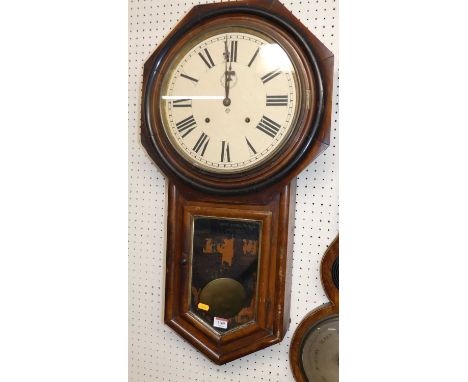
(236, 103)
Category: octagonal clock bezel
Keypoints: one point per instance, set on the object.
(288, 160)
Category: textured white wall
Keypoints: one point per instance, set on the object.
(156, 353)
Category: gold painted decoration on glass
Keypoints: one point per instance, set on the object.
(224, 270)
(230, 99)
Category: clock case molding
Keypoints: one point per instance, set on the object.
(266, 193)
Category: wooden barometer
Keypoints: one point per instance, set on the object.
(236, 102)
(315, 344)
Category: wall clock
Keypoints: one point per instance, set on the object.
(236, 102)
(315, 344)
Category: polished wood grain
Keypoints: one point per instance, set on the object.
(274, 274)
(328, 259)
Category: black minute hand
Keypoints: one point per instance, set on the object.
(227, 76)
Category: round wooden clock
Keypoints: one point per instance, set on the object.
(315, 344)
(236, 102)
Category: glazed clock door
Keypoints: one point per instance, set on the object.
(225, 260)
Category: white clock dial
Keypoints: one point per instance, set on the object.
(230, 101)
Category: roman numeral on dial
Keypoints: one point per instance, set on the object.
(201, 144)
(233, 57)
(182, 103)
(254, 57)
(268, 126)
(271, 75)
(186, 126)
(277, 100)
(207, 58)
(225, 157)
(189, 78)
(250, 146)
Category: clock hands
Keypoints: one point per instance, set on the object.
(227, 74)
(226, 101)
